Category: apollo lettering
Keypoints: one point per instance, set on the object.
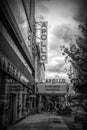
(43, 49)
(44, 37)
(43, 31)
(44, 57)
(44, 42)
(53, 81)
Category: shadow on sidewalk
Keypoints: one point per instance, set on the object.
(69, 120)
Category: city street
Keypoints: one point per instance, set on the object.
(44, 121)
(43, 64)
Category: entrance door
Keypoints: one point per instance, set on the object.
(12, 108)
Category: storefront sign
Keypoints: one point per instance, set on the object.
(16, 87)
(43, 50)
(48, 88)
(7, 66)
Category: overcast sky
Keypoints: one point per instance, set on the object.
(63, 17)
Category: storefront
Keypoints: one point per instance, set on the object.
(14, 94)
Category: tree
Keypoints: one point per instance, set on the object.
(77, 55)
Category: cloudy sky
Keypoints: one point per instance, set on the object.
(63, 17)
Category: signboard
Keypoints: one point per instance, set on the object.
(55, 81)
(48, 88)
(7, 66)
(16, 88)
(43, 49)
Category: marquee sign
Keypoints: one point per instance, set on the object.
(43, 37)
(55, 81)
(48, 88)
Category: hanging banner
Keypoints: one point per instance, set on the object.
(43, 49)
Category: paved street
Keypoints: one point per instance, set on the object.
(41, 122)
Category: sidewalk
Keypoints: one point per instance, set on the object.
(69, 120)
(45, 121)
(29, 120)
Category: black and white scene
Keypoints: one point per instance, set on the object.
(43, 64)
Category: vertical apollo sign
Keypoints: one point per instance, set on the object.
(43, 50)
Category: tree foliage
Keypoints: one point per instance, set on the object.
(77, 55)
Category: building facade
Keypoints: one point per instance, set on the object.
(17, 60)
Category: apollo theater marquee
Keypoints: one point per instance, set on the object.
(52, 86)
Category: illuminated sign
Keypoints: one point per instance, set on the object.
(48, 88)
(43, 49)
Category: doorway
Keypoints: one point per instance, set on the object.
(12, 108)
